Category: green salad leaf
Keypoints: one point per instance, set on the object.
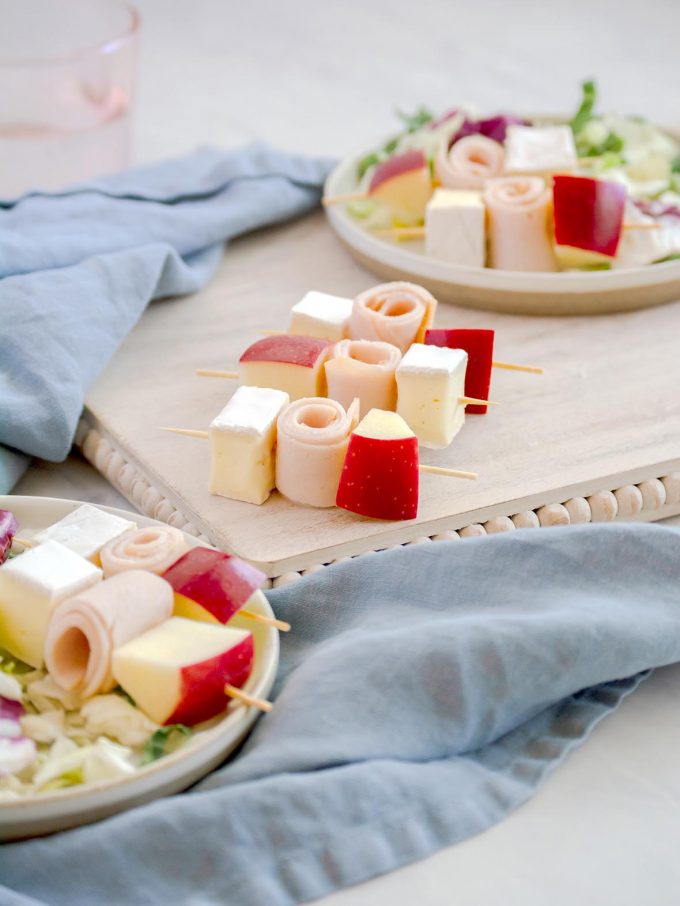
(585, 111)
(412, 123)
(415, 121)
(674, 257)
(164, 741)
(675, 164)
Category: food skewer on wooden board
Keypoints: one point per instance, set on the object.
(234, 375)
(434, 470)
(506, 366)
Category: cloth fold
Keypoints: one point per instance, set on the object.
(422, 694)
(77, 269)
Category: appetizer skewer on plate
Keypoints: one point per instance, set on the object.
(140, 642)
(525, 195)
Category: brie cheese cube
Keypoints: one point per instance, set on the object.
(242, 442)
(321, 315)
(430, 380)
(539, 150)
(454, 228)
(85, 531)
(30, 587)
(286, 362)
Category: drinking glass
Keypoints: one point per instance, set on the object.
(66, 81)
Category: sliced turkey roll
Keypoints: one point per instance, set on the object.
(397, 313)
(469, 163)
(363, 370)
(84, 631)
(153, 549)
(312, 442)
(519, 210)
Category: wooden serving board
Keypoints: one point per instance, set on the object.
(605, 414)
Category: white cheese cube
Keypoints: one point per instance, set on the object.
(321, 315)
(539, 150)
(30, 586)
(454, 228)
(243, 440)
(86, 530)
(430, 380)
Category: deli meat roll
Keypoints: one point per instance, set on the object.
(363, 370)
(519, 210)
(398, 313)
(84, 631)
(469, 163)
(153, 549)
(313, 435)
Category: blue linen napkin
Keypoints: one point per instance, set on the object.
(78, 268)
(423, 693)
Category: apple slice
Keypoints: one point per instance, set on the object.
(588, 216)
(380, 475)
(287, 362)
(176, 672)
(212, 586)
(404, 184)
(479, 346)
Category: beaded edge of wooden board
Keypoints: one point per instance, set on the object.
(650, 499)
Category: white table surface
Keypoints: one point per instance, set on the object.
(324, 77)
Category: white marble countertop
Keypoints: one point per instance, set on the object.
(325, 78)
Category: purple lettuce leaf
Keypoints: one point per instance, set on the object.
(8, 529)
(495, 127)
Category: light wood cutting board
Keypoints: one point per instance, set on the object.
(605, 414)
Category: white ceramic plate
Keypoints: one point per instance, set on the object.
(595, 292)
(72, 806)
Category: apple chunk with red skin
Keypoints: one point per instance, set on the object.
(287, 362)
(588, 216)
(404, 184)
(177, 671)
(380, 475)
(212, 586)
(479, 346)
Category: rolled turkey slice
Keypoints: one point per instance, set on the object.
(363, 370)
(152, 549)
(519, 210)
(84, 631)
(312, 443)
(470, 162)
(398, 313)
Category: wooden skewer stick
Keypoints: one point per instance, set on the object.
(471, 401)
(245, 699)
(261, 618)
(450, 473)
(26, 543)
(210, 372)
(435, 470)
(188, 432)
(643, 225)
(414, 232)
(417, 232)
(329, 200)
(510, 366)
